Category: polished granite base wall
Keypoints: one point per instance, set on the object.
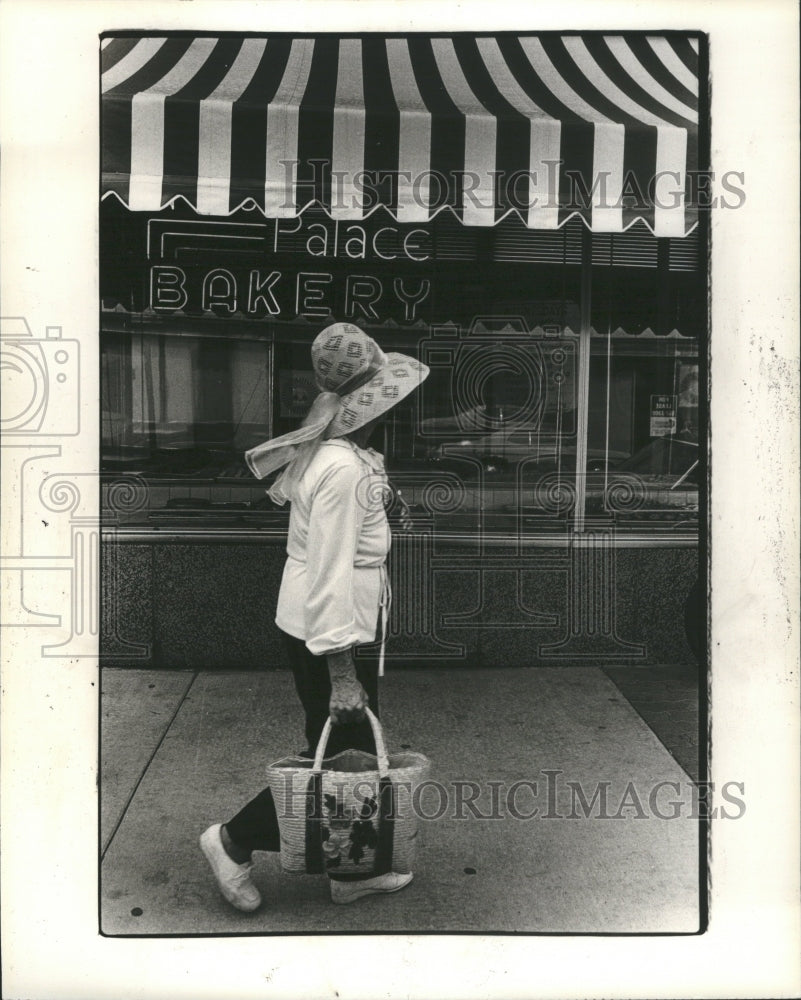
(210, 605)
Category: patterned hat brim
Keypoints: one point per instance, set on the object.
(399, 377)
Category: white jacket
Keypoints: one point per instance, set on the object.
(334, 580)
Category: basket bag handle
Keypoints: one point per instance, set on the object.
(378, 736)
(386, 806)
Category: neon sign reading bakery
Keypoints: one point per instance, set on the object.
(313, 294)
(260, 291)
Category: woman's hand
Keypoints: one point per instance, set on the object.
(348, 701)
(348, 697)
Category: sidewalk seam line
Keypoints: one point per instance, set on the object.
(648, 725)
(144, 771)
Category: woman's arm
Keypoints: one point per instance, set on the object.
(335, 523)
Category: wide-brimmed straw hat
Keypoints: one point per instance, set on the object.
(368, 382)
(357, 381)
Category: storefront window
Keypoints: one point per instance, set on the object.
(644, 405)
(205, 352)
(644, 414)
(183, 405)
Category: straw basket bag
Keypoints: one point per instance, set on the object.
(350, 815)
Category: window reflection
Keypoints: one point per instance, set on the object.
(182, 405)
(496, 427)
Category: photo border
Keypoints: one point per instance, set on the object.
(49, 277)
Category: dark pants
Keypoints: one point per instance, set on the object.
(255, 827)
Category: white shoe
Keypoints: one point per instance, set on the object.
(349, 892)
(233, 880)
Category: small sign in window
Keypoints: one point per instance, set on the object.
(296, 391)
(663, 415)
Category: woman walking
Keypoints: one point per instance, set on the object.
(334, 594)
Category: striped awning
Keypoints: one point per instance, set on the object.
(545, 126)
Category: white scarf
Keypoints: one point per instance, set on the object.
(295, 450)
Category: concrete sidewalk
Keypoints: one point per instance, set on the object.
(182, 750)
